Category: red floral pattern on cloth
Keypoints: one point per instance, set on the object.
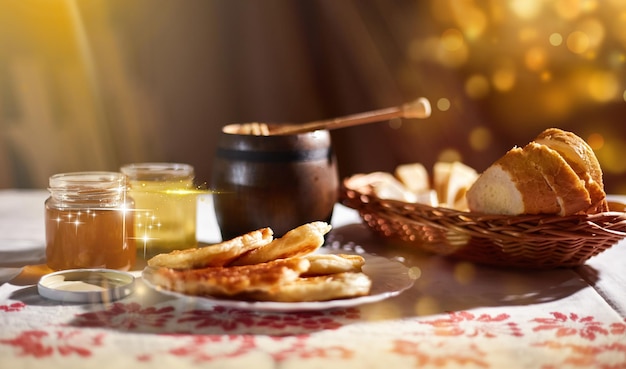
(606, 356)
(438, 355)
(200, 349)
(218, 319)
(558, 325)
(571, 324)
(40, 343)
(211, 336)
(17, 306)
(126, 316)
(470, 325)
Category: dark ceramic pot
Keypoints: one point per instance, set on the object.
(278, 181)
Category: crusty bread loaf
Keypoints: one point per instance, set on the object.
(557, 173)
(568, 189)
(512, 186)
(583, 161)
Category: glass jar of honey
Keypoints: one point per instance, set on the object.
(165, 202)
(89, 223)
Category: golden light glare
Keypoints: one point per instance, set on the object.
(567, 9)
(504, 78)
(619, 27)
(556, 39)
(395, 123)
(452, 39)
(475, 24)
(449, 155)
(464, 272)
(545, 76)
(443, 50)
(440, 11)
(477, 86)
(427, 305)
(535, 58)
(594, 29)
(383, 311)
(526, 9)
(554, 103)
(422, 49)
(595, 141)
(471, 19)
(415, 273)
(603, 86)
(616, 59)
(498, 11)
(443, 104)
(578, 42)
(480, 138)
(540, 62)
(611, 156)
(589, 6)
(452, 51)
(528, 34)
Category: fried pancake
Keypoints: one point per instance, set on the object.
(229, 281)
(299, 241)
(331, 264)
(214, 255)
(319, 288)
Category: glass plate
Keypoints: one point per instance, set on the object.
(389, 278)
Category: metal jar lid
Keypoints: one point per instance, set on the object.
(86, 285)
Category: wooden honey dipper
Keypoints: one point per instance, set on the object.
(419, 108)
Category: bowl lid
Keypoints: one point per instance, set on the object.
(86, 285)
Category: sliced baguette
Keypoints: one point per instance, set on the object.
(511, 187)
(557, 173)
(582, 160)
(569, 189)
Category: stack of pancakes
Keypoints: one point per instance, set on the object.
(255, 266)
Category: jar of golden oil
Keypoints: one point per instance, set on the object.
(89, 222)
(165, 202)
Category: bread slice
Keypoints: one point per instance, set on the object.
(570, 191)
(557, 173)
(441, 177)
(460, 180)
(511, 186)
(414, 176)
(386, 186)
(581, 158)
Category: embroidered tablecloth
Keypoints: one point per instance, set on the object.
(457, 315)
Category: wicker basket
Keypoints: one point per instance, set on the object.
(525, 241)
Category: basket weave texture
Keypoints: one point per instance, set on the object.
(524, 241)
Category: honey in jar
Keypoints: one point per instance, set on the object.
(89, 222)
(165, 203)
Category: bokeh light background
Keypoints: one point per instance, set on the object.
(92, 85)
(532, 64)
